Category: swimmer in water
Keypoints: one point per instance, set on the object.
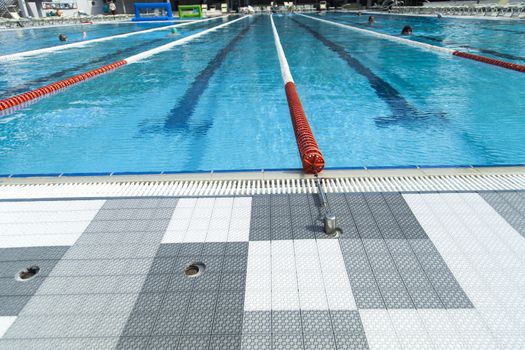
(371, 20)
(173, 32)
(84, 35)
(407, 30)
(62, 37)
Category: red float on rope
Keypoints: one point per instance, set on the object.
(16, 100)
(494, 62)
(311, 156)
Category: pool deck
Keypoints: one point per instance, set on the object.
(428, 258)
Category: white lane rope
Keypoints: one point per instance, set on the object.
(149, 53)
(424, 46)
(20, 55)
(285, 69)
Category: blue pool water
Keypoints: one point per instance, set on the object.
(504, 39)
(218, 103)
(12, 41)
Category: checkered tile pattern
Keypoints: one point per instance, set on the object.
(434, 270)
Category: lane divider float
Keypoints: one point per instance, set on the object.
(19, 55)
(434, 48)
(488, 60)
(25, 97)
(311, 156)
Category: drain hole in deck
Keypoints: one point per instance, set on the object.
(194, 269)
(28, 273)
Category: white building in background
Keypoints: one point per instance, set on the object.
(39, 8)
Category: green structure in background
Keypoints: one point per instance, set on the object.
(190, 11)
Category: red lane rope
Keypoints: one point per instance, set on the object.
(311, 156)
(16, 100)
(495, 62)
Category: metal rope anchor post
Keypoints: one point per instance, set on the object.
(329, 219)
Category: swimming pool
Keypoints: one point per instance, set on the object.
(12, 41)
(218, 103)
(502, 39)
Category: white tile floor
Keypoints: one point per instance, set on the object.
(5, 323)
(210, 220)
(486, 256)
(297, 275)
(45, 223)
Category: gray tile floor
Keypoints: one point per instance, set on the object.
(416, 278)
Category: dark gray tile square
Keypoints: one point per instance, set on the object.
(369, 232)
(443, 280)
(256, 341)
(198, 322)
(315, 321)
(164, 342)
(286, 322)
(257, 322)
(230, 300)
(389, 280)
(233, 281)
(156, 283)
(12, 305)
(368, 299)
(222, 342)
(228, 322)
(133, 343)
(425, 299)
(455, 299)
(319, 341)
(32, 253)
(281, 233)
(362, 279)
(346, 322)
(179, 282)
(287, 342)
(397, 299)
(279, 200)
(357, 262)
(209, 281)
(260, 234)
(235, 263)
(236, 248)
(406, 261)
(169, 323)
(140, 324)
(304, 232)
(149, 302)
(179, 300)
(9, 286)
(351, 341)
(203, 300)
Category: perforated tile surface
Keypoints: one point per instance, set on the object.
(432, 270)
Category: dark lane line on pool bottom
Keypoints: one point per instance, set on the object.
(400, 107)
(178, 117)
(32, 84)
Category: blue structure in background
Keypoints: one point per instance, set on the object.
(152, 5)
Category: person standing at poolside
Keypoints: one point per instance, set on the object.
(112, 8)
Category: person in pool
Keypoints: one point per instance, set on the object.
(371, 20)
(407, 30)
(62, 37)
